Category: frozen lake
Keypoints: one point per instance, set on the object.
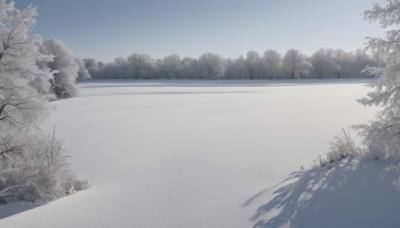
(190, 153)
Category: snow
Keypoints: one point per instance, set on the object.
(349, 193)
(213, 154)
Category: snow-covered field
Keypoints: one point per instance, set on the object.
(207, 154)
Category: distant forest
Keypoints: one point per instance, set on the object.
(324, 63)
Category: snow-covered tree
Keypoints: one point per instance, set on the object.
(142, 66)
(295, 64)
(253, 65)
(345, 62)
(92, 66)
(234, 68)
(64, 67)
(324, 63)
(190, 68)
(382, 136)
(83, 73)
(171, 67)
(362, 60)
(121, 68)
(211, 66)
(32, 165)
(272, 64)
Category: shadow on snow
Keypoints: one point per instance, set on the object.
(348, 193)
(7, 210)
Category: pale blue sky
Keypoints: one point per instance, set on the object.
(105, 29)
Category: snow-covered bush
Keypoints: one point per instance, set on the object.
(32, 165)
(38, 171)
(342, 146)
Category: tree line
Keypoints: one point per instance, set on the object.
(324, 63)
(66, 68)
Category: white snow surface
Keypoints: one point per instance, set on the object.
(213, 154)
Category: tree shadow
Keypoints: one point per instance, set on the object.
(346, 193)
(10, 209)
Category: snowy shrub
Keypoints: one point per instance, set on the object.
(320, 161)
(37, 171)
(342, 146)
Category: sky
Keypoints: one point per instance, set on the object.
(106, 29)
